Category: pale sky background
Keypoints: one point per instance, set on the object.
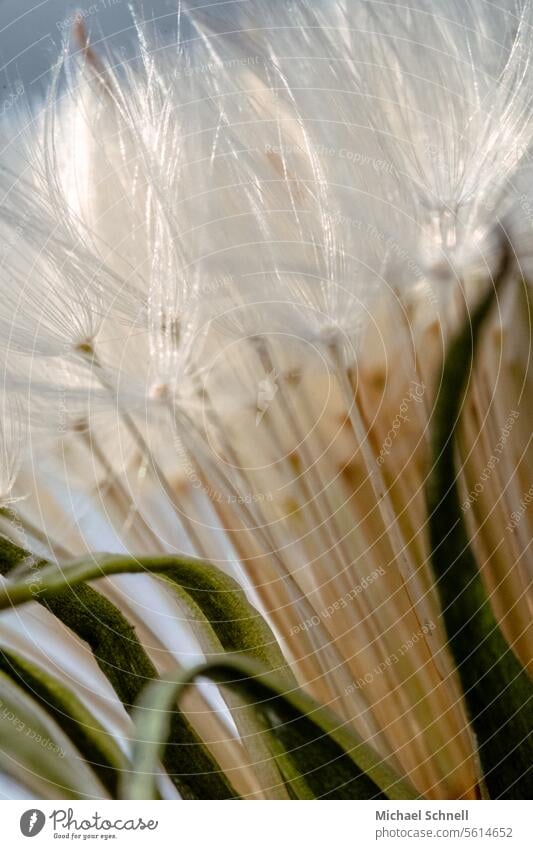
(31, 31)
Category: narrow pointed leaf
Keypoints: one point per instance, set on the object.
(122, 659)
(228, 622)
(35, 751)
(238, 626)
(498, 691)
(209, 589)
(119, 655)
(88, 735)
(328, 760)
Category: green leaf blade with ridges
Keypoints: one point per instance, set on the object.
(97, 745)
(36, 753)
(329, 761)
(498, 691)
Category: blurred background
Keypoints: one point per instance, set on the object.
(33, 32)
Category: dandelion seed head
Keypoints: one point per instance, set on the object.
(229, 271)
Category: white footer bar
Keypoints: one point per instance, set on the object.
(256, 825)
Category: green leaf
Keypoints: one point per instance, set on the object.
(236, 623)
(122, 659)
(238, 626)
(88, 735)
(36, 752)
(497, 690)
(117, 651)
(227, 621)
(235, 626)
(12, 556)
(327, 759)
